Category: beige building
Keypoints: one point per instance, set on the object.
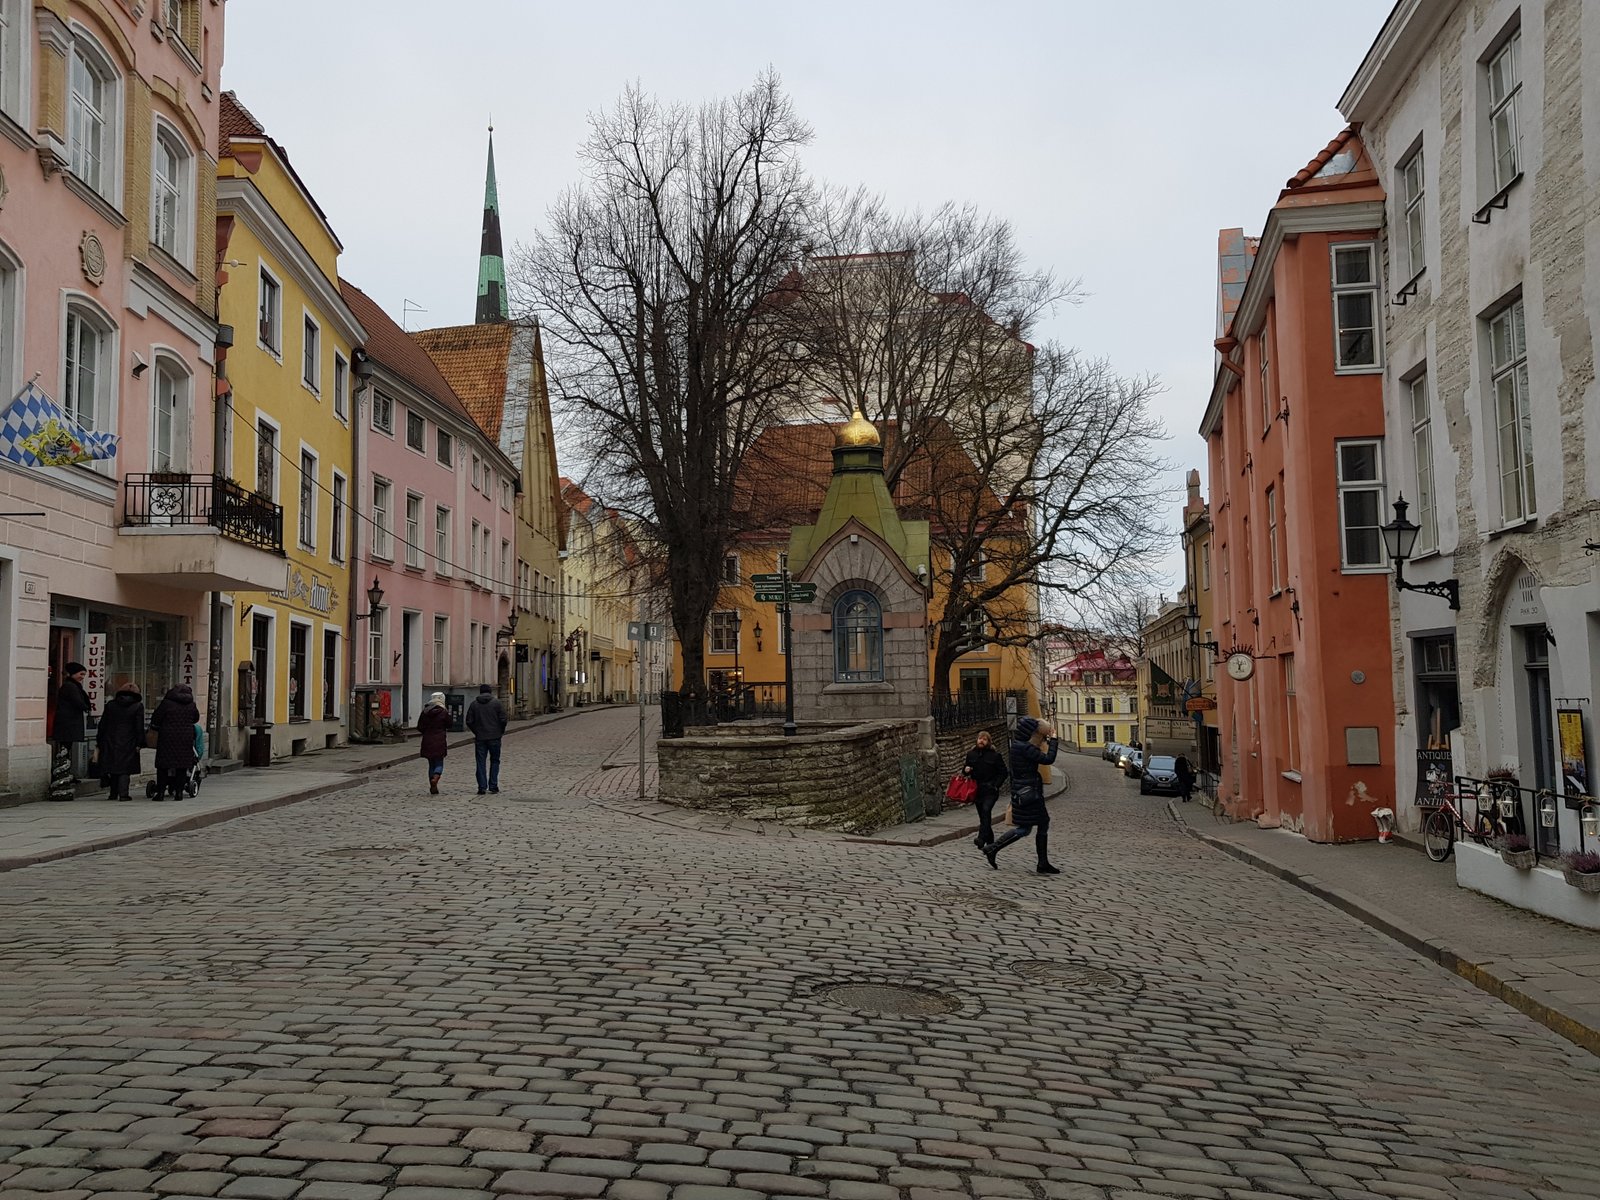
(1165, 685)
(1095, 697)
(600, 581)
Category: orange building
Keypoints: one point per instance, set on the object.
(1295, 432)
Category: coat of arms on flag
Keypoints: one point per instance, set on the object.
(34, 432)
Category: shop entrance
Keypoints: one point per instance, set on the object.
(330, 675)
(261, 656)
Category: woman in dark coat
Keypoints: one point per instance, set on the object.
(987, 769)
(174, 721)
(434, 725)
(1035, 746)
(1185, 777)
(119, 737)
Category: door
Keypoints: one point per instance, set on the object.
(261, 656)
(299, 649)
(410, 667)
(330, 675)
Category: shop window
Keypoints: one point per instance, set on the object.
(1438, 695)
(857, 639)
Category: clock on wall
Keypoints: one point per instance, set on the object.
(1241, 666)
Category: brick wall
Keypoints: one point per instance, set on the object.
(840, 778)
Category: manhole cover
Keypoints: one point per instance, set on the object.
(973, 899)
(889, 999)
(1073, 974)
(366, 851)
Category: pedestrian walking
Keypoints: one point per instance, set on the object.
(173, 723)
(1185, 770)
(986, 767)
(68, 727)
(1034, 746)
(119, 740)
(486, 718)
(434, 725)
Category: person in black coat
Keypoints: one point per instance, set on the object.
(987, 769)
(174, 721)
(1185, 770)
(118, 738)
(434, 725)
(70, 723)
(1034, 746)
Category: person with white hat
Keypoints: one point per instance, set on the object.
(434, 725)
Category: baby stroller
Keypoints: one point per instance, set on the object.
(197, 773)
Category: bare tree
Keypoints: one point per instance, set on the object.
(654, 285)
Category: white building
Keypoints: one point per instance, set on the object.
(1484, 121)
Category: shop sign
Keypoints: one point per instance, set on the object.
(1574, 753)
(1525, 606)
(189, 664)
(312, 593)
(1199, 704)
(1435, 778)
(94, 661)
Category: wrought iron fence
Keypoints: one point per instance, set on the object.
(982, 708)
(1535, 813)
(180, 499)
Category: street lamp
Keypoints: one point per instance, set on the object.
(1399, 540)
(1192, 620)
(374, 602)
(738, 620)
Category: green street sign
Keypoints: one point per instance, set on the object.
(769, 597)
(758, 580)
(803, 593)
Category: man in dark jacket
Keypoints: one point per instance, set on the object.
(70, 724)
(486, 718)
(119, 737)
(174, 721)
(1034, 746)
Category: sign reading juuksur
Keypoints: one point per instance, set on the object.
(34, 432)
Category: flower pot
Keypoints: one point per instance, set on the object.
(1522, 860)
(1584, 881)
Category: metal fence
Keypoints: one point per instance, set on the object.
(1535, 813)
(177, 499)
(982, 708)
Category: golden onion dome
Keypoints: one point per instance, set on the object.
(858, 431)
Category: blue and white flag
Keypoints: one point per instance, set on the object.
(34, 432)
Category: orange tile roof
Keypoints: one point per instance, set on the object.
(391, 346)
(236, 121)
(474, 358)
(1341, 163)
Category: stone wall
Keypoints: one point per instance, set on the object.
(953, 746)
(844, 778)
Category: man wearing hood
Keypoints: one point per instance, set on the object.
(119, 737)
(486, 717)
(1034, 746)
(173, 722)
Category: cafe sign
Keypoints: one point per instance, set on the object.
(312, 593)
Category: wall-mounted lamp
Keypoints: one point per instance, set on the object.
(1283, 409)
(757, 632)
(1192, 620)
(1399, 540)
(374, 602)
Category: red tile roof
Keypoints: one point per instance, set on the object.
(474, 358)
(1342, 162)
(391, 346)
(237, 121)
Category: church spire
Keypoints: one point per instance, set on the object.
(491, 255)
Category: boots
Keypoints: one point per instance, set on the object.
(433, 785)
(1045, 868)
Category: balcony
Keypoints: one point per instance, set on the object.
(200, 532)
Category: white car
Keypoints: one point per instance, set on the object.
(1112, 751)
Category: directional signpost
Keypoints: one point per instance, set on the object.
(644, 632)
(777, 588)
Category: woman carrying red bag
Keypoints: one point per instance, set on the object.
(986, 767)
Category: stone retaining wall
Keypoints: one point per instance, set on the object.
(954, 744)
(844, 778)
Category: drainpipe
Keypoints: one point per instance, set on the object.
(361, 368)
(220, 392)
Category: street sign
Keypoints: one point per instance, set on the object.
(803, 593)
(645, 631)
(767, 578)
(765, 597)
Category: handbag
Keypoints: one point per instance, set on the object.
(963, 789)
(152, 738)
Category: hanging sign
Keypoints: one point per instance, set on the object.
(189, 664)
(1574, 752)
(94, 661)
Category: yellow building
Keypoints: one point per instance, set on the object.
(1202, 598)
(1096, 700)
(600, 663)
(288, 438)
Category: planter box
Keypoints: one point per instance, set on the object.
(1541, 890)
(1589, 882)
(1522, 860)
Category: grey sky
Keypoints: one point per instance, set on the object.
(1117, 137)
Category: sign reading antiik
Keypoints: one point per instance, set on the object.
(318, 596)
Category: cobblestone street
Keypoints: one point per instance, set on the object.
(379, 993)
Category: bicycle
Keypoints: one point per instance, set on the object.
(1440, 826)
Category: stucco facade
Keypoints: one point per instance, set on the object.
(1495, 436)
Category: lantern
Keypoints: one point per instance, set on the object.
(1508, 805)
(1591, 821)
(1547, 810)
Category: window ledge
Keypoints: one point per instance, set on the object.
(1364, 570)
(16, 132)
(271, 350)
(1410, 287)
(174, 265)
(314, 391)
(1499, 200)
(1372, 369)
(1275, 593)
(1292, 776)
(836, 688)
(94, 199)
(1425, 555)
(1522, 526)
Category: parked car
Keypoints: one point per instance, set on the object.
(1125, 759)
(1135, 767)
(1111, 751)
(1160, 775)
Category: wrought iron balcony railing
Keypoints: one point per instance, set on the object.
(173, 498)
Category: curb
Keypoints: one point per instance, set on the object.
(1529, 1002)
(941, 839)
(219, 815)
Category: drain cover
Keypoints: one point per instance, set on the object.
(1073, 974)
(973, 899)
(367, 851)
(889, 999)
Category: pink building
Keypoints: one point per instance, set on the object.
(440, 536)
(108, 146)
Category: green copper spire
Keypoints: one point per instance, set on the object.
(491, 255)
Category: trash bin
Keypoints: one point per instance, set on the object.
(259, 751)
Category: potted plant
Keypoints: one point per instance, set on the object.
(1582, 870)
(1515, 851)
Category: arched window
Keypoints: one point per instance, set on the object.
(857, 638)
(169, 427)
(171, 194)
(88, 387)
(93, 107)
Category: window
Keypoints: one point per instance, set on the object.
(1411, 200)
(8, 318)
(381, 492)
(503, 584)
(92, 108)
(341, 387)
(505, 494)
(1205, 567)
(1110, 732)
(477, 474)
(1360, 504)
(1355, 307)
(975, 629)
(269, 314)
(299, 683)
(1422, 457)
(974, 682)
(724, 633)
(311, 354)
(1266, 383)
(1505, 83)
(266, 458)
(416, 432)
(1438, 694)
(1090, 735)
(170, 194)
(1272, 539)
(446, 447)
(13, 57)
(976, 568)
(413, 530)
(382, 413)
(169, 440)
(441, 649)
(472, 645)
(1133, 704)
(857, 639)
(340, 517)
(1107, 705)
(1508, 366)
(1088, 704)
(441, 541)
(87, 369)
(1210, 662)
(308, 499)
(375, 661)
(1291, 715)
(330, 675)
(485, 563)
(475, 566)
(730, 570)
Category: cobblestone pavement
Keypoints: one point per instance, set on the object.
(382, 994)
